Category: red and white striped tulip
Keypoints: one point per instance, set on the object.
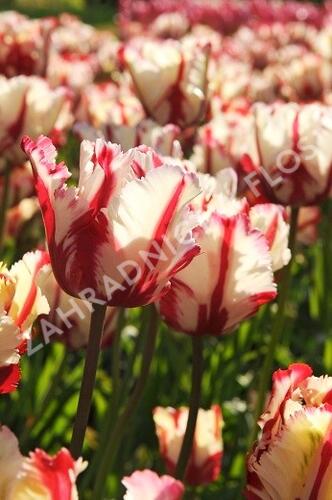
(70, 316)
(272, 221)
(21, 302)
(236, 262)
(170, 80)
(24, 44)
(109, 104)
(28, 106)
(293, 457)
(38, 475)
(148, 485)
(292, 163)
(124, 231)
(204, 464)
(222, 142)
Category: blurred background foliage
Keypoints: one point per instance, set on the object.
(97, 12)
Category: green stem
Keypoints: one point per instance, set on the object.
(116, 357)
(326, 312)
(113, 405)
(4, 206)
(88, 382)
(121, 425)
(195, 397)
(277, 328)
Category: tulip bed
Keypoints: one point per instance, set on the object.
(165, 253)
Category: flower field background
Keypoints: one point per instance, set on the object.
(223, 114)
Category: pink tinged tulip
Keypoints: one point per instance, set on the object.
(292, 164)
(37, 476)
(69, 318)
(205, 461)
(170, 80)
(236, 264)
(115, 237)
(148, 485)
(164, 140)
(28, 106)
(293, 458)
(21, 302)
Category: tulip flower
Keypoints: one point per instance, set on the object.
(292, 163)
(23, 44)
(115, 237)
(37, 476)
(27, 106)
(293, 457)
(205, 461)
(70, 69)
(164, 140)
(148, 485)
(21, 302)
(236, 262)
(107, 104)
(272, 221)
(69, 317)
(222, 142)
(170, 80)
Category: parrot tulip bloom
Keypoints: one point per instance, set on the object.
(205, 462)
(117, 237)
(296, 424)
(292, 163)
(21, 302)
(237, 265)
(37, 476)
(28, 106)
(170, 80)
(148, 485)
(69, 317)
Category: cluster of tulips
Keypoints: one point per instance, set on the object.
(200, 144)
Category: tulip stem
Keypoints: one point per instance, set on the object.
(277, 327)
(88, 382)
(195, 397)
(122, 423)
(4, 205)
